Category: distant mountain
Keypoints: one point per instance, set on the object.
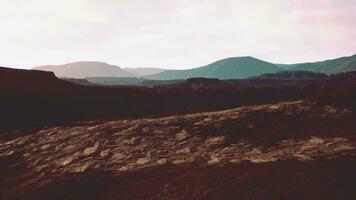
(142, 71)
(230, 68)
(244, 67)
(334, 66)
(85, 69)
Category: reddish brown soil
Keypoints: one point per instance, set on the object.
(324, 179)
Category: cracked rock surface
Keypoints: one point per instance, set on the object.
(253, 136)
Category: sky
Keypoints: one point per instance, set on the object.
(174, 34)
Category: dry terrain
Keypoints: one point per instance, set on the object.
(287, 150)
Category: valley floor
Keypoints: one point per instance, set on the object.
(288, 150)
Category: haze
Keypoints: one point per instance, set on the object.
(174, 34)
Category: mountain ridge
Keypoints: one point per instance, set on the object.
(247, 66)
(330, 66)
(83, 69)
(228, 68)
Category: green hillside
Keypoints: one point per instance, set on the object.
(334, 66)
(230, 68)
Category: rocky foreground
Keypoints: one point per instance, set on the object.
(289, 150)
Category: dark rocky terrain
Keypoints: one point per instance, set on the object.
(32, 98)
(288, 150)
(263, 138)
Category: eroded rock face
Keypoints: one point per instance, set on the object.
(257, 134)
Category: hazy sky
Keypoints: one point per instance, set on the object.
(173, 33)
